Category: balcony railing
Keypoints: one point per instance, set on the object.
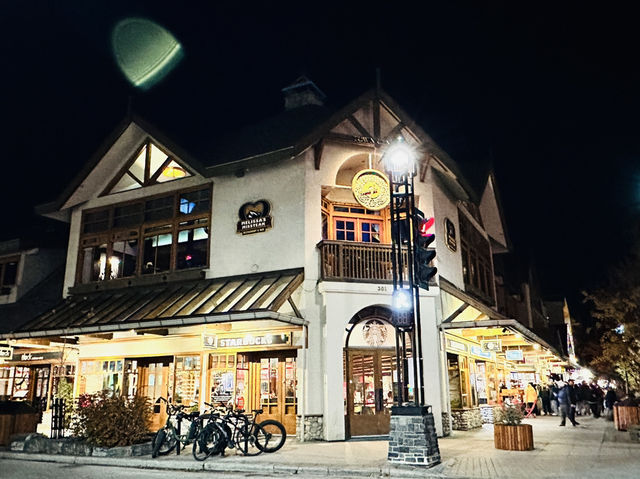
(347, 261)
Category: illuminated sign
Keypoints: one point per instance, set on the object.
(491, 345)
(212, 341)
(254, 217)
(371, 189)
(6, 353)
(477, 350)
(456, 345)
(513, 355)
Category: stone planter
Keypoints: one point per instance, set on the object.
(513, 438)
(625, 416)
(37, 443)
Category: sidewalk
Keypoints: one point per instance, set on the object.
(592, 450)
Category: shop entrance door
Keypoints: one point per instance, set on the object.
(370, 391)
(152, 382)
(40, 385)
(271, 385)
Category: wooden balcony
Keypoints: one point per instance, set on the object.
(361, 262)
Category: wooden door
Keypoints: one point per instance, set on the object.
(371, 391)
(153, 380)
(272, 380)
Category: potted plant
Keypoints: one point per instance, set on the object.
(509, 433)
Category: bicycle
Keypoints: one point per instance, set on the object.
(168, 437)
(238, 430)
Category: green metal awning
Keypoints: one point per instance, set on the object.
(180, 303)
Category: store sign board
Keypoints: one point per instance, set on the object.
(212, 341)
(370, 188)
(254, 217)
(21, 357)
(491, 345)
(513, 355)
(477, 350)
(456, 345)
(6, 353)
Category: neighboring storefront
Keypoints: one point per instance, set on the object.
(33, 375)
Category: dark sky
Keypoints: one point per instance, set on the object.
(548, 93)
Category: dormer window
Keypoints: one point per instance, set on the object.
(149, 166)
(8, 273)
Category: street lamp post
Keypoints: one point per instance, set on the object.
(414, 415)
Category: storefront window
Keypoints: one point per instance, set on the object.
(21, 382)
(187, 380)
(6, 382)
(269, 379)
(221, 379)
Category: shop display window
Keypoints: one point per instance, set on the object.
(269, 379)
(60, 372)
(6, 382)
(221, 378)
(187, 380)
(100, 375)
(21, 382)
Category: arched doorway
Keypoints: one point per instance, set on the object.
(370, 382)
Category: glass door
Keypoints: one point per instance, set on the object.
(371, 391)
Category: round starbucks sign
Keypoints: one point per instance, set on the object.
(371, 189)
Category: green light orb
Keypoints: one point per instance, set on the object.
(144, 51)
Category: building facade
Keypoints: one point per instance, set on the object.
(251, 274)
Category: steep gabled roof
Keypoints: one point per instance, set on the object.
(51, 208)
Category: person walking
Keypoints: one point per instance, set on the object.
(545, 397)
(567, 408)
(530, 399)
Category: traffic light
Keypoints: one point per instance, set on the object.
(422, 255)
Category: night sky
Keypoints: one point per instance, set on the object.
(549, 94)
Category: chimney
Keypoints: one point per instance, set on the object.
(302, 92)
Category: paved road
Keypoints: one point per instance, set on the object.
(12, 469)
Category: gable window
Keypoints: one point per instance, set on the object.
(148, 166)
(8, 273)
(477, 268)
(145, 237)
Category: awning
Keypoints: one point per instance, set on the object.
(184, 303)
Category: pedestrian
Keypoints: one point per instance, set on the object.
(530, 399)
(583, 394)
(609, 400)
(567, 402)
(555, 409)
(595, 401)
(545, 396)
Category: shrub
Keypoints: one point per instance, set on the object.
(508, 414)
(108, 420)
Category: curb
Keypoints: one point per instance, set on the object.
(227, 466)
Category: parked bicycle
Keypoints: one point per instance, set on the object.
(235, 429)
(167, 438)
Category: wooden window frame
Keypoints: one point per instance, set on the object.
(328, 209)
(475, 250)
(175, 224)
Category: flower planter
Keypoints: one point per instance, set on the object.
(625, 416)
(513, 438)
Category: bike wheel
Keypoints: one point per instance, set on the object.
(246, 442)
(163, 443)
(210, 441)
(270, 435)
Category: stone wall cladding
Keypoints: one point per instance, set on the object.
(37, 443)
(413, 440)
(446, 424)
(488, 414)
(466, 419)
(313, 428)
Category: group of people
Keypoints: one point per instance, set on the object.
(568, 400)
